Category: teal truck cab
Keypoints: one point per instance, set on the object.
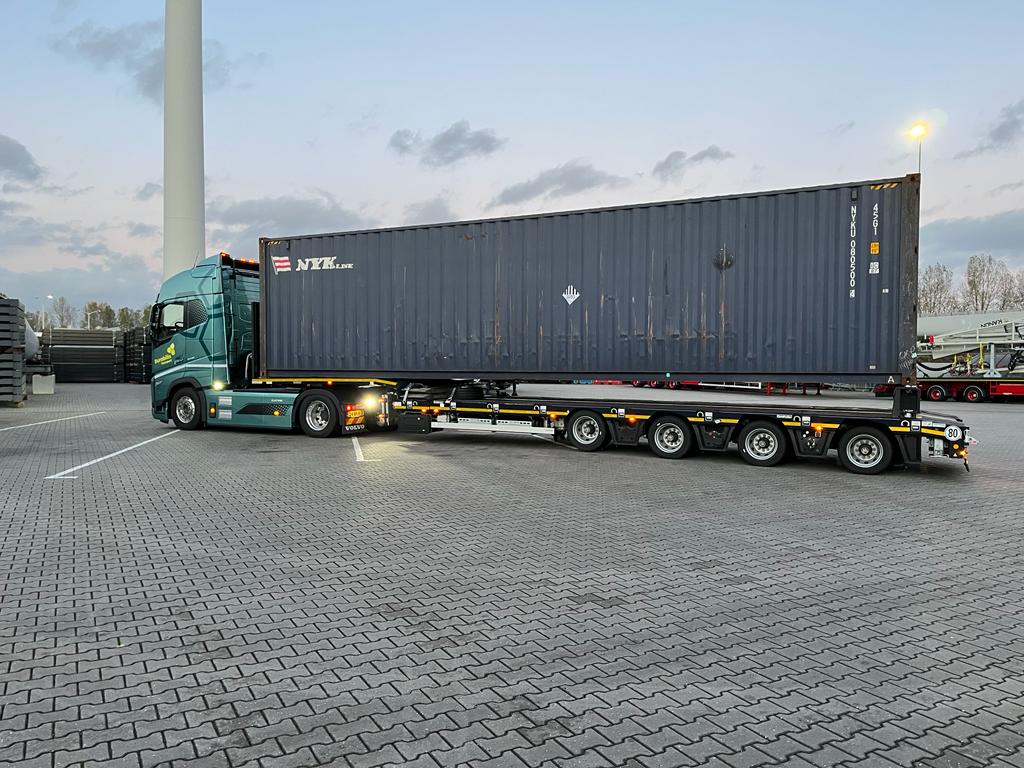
(204, 326)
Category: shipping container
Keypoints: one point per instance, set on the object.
(817, 283)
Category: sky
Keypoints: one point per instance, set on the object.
(326, 116)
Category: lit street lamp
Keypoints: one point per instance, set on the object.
(42, 308)
(917, 132)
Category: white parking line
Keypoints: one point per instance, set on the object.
(51, 421)
(66, 474)
(359, 451)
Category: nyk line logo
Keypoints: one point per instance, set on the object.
(284, 264)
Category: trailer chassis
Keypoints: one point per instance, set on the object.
(867, 440)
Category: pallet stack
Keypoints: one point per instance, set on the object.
(80, 355)
(138, 350)
(120, 358)
(12, 352)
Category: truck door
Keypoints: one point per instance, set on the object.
(168, 350)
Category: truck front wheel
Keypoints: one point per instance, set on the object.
(319, 414)
(186, 409)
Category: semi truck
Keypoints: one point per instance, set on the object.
(433, 328)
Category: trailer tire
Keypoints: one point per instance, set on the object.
(187, 408)
(936, 393)
(865, 451)
(587, 431)
(974, 394)
(669, 437)
(762, 444)
(319, 414)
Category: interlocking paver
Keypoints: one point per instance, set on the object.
(497, 601)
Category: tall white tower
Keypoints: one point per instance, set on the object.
(184, 191)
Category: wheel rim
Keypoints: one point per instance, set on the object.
(318, 415)
(972, 395)
(935, 393)
(762, 444)
(669, 438)
(586, 430)
(185, 409)
(865, 451)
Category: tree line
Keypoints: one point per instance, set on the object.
(988, 285)
(93, 314)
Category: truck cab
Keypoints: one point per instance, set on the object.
(204, 326)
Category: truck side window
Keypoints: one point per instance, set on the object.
(172, 319)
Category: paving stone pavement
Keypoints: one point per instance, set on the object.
(254, 599)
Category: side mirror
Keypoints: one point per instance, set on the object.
(154, 316)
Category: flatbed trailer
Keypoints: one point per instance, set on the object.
(866, 440)
(969, 389)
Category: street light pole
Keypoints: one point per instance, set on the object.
(918, 131)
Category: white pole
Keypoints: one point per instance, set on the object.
(184, 193)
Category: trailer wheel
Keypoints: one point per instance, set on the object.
(762, 444)
(974, 394)
(319, 414)
(865, 451)
(638, 383)
(670, 438)
(186, 409)
(936, 393)
(587, 431)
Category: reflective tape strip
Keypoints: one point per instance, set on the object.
(900, 429)
(300, 380)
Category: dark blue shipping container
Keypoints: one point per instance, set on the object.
(804, 284)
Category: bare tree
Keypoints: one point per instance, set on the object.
(987, 283)
(64, 312)
(1015, 297)
(935, 294)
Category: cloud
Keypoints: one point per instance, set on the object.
(433, 211)
(123, 281)
(1010, 187)
(456, 142)
(237, 225)
(16, 162)
(404, 141)
(560, 181)
(139, 229)
(843, 128)
(1004, 133)
(148, 191)
(137, 50)
(952, 241)
(676, 163)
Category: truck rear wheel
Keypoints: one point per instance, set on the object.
(974, 394)
(762, 444)
(936, 393)
(670, 437)
(587, 431)
(187, 409)
(865, 451)
(320, 414)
